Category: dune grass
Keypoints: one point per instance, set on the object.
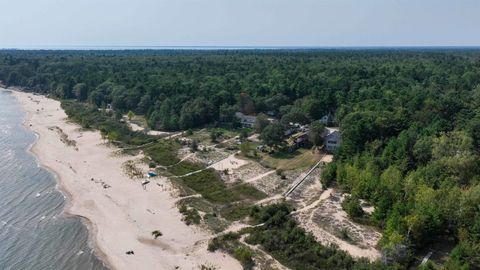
(163, 152)
(300, 159)
(184, 167)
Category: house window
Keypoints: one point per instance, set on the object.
(332, 142)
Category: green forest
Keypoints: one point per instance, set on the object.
(409, 118)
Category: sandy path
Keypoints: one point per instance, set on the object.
(306, 217)
(134, 126)
(123, 216)
(229, 163)
(271, 200)
(258, 177)
(325, 194)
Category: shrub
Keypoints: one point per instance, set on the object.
(351, 205)
(345, 234)
(190, 216)
(328, 175)
(157, 234)
(291, 245)
(194, 146)
(244, 256)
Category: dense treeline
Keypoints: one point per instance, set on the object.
(106, 122)
(410, 119)
(179, 90)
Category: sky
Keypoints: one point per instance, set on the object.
(310, 23)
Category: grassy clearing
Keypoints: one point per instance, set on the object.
(230, 203)
(204, 135)
(249, 150)
(200, 204)
(230, 211)
(209, 184)
(163, 153)
(248, 192)
(235, 211)
(199, 135)
(183, 189)
(226, 133)
(300, 159)
(184, 168)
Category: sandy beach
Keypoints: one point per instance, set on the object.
(122, 216)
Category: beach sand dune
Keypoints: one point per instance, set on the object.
(121, 217)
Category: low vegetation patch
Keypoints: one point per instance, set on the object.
(293, 247)
(190, 215)
(200, 204)
(89, 116)
(183, 168)
(235, 211)
(248, 192)
(209, 184)
(215, 223)
(231, 244)
(163, 153)
(302, 158)
(344, 234)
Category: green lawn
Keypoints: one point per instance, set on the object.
(203, 135)
(300, 159)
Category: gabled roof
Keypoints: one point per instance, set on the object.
(329, 131)
(246, 118)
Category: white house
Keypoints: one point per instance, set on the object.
(332, 138)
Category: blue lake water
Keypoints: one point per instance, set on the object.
(34, 232)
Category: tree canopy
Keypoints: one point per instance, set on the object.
(409, 119)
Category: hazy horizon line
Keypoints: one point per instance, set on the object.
(232, 47)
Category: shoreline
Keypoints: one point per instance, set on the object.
(113, 216)
(68, 198)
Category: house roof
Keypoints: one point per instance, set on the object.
(246, 118)
(329, 131)
(300, 134)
